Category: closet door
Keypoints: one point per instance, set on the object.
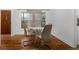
(5, 22)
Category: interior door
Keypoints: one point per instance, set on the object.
(5, 21)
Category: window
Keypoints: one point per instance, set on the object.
(43, 20)
(25, 18)
(32, 19)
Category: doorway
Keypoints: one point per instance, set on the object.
(5, 21)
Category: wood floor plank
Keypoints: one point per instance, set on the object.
(14, 43)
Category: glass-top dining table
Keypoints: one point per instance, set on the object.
(34, 30)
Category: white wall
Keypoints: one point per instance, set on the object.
(63, 25)
(16, 23)
(77, 27)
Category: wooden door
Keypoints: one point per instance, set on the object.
(5, 22)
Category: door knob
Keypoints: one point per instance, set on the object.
(6, 17)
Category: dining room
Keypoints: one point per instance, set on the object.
(40, 28)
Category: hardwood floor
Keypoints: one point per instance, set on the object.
(14, 43)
